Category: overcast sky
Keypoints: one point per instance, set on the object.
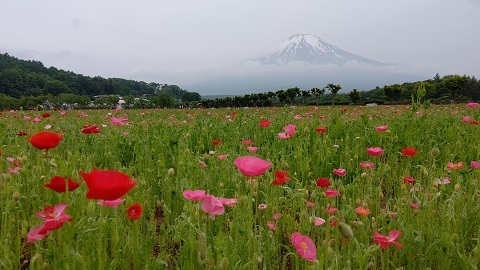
(181, 42)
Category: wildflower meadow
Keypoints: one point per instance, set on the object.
(331, 187)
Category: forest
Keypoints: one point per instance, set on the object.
(28, 84)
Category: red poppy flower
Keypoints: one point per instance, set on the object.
(408, 180)
(90, 129)
(281, 178)
(60, 184)
(135, 211)
(323, 182)
(45, 140)
(107, 185)
(321, 130)
(362, 211)
(409, 152)
(45, 115)
(216, 142)
(22, 133)
(264, 123)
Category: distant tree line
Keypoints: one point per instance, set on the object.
(448, 89)
(28, 84)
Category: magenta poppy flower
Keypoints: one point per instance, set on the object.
(252, 166)
(332, 193)
(305, 246)
(408, 180)
(454, 166)
(475, 165)
(194, 195)
(473, 105)
(386, 241)
(212, 205)
(340, 172)
(367, 165)
(381, 128)
(375, 151)
(54, 216)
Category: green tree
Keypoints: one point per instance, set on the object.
(334, 89)
(190, 96)
(163, 100)
(354, 96)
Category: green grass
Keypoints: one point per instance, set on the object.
(174, 233)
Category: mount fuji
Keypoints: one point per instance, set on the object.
(311, 49)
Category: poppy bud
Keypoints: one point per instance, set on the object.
(16, 196)
(346, 230)
(24, 233)
(458, 187)
(171, 172)
(363, 175)
(259, 259)
(454, 238)
(224, 263)
(435, 184)
(435, 152)
(36, 261)
(341, 189)
(53, 163)
(24, 159)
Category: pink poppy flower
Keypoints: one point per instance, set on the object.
(367, 165)
(212, 205)
(475, 165)
(277, 216)
(252, 166)
(375, 151)
(310, 204)
(222, 157)
(37, 233)
(414, 205)
(340, 172)
(332, 193)
(247, 142)
(194, 195)
(305, 246)
(290, 129)
(231, 202)
(453, 166)
(203, 164)
(316, 221)
(443, 181)
(386, 241)
(262, 206)
(283, 135)
(272, 225)
(111, 203)
(252, 148)
(331, 210)
(118, 121)
(381, 128)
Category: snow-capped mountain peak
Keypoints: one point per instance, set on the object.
(311, 49)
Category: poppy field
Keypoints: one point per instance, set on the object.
(356, 187)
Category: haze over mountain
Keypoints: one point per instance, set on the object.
(305, 61)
